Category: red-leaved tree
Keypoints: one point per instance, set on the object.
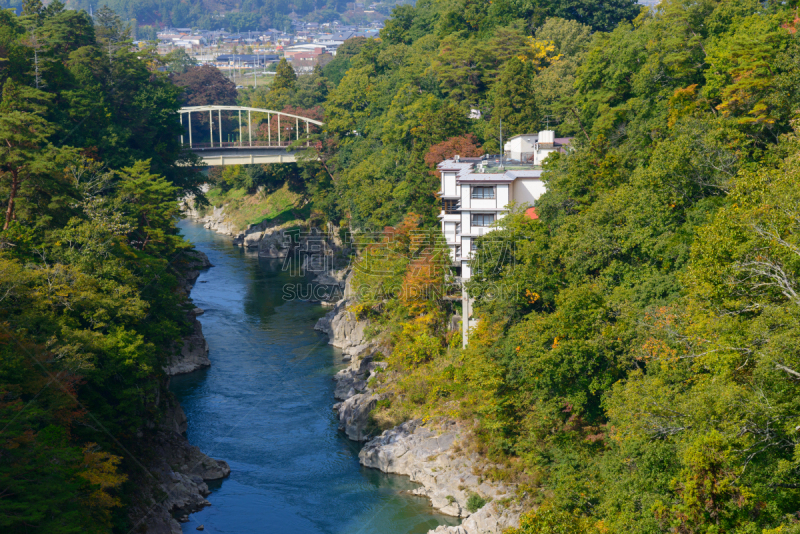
(465, 146)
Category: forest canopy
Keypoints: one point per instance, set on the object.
(91, 304)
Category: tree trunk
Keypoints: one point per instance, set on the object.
(12, 197)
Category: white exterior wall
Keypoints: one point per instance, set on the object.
(465, 197)
(547, 136)
(450, 232)
(481, 230)
(541, 155)
(466, 247)
(519, 145)
(528, 190)
(449, 184)
(478, 204)
(501, 194)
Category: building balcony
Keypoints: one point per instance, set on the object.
(452, 238)
(450, 217)
(476, 231)
(451, 206)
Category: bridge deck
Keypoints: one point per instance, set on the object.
(245, 155)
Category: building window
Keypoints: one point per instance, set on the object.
(449, 205)
(458, 251)
(483, 192)
(482, 219)
(473, 245)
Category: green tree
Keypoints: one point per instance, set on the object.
(27, 159)
(515, 99)
(285, 76)
(178, 61)
(742, 70)
(110, 28)
(395, 30)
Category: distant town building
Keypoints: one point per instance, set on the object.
(246, 60)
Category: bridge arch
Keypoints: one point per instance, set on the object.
(271, 150)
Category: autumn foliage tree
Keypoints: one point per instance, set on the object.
(466, 146)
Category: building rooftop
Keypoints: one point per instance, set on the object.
(488, 169)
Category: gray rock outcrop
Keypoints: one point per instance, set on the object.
(343, 328)
(354, 415)
(193, 354)
(216, 221)
(188, 267)
(448, 477)
(175, 482)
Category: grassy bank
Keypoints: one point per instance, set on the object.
(243, 209)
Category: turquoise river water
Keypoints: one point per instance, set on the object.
(264, 406)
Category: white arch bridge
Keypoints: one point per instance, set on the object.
(286, 135)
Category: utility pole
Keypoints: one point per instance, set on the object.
(502, 150)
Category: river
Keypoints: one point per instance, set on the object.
(264, 406)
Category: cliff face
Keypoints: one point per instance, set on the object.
(433, 458)
(174, 484)
(192, 353)
(270, 238)
(172, 481)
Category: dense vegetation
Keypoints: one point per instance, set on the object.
(90, 304)
(636, 366)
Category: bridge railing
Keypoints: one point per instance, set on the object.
(289, 130)
(244, 145)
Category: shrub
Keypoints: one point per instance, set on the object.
(475, 502)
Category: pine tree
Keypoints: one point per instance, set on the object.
(24, 149)
(285, 76)
(109, 26)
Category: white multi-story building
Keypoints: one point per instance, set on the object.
(474, 196)
(476, 192)
(534, 148)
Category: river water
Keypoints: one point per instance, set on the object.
(264, 406)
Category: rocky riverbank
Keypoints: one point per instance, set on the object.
(322, 251)
(432, 457)
(172, 483)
